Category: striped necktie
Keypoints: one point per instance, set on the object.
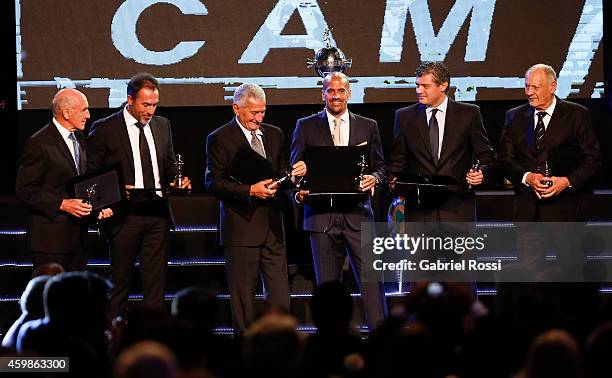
(77, 152)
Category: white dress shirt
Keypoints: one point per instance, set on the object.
(134, 134)
(344, 127)
(441, 118)
(546, 120)
(66, 137)
(247, 134)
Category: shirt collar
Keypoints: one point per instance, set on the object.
(441, 108)
(246, 131)
(62, 130)
(344, 117)
(129, 119)
(549, 111)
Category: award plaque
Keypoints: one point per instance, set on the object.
(335, 170)
(248, 167)
(100, 188)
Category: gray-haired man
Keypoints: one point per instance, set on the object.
(251, 225)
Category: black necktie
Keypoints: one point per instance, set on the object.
(434, 134)
(539, 130)
(145, 159)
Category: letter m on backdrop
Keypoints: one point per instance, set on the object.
(434, 47)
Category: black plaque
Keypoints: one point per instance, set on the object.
(101, 188)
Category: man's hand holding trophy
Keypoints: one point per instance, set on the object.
(181, 183)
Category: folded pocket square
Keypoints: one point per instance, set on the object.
(364, 143)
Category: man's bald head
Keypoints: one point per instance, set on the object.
(71, 109)
(65, 98)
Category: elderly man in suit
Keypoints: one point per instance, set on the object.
(252, 233)
(549, 151)
(55, 154)
(141, 144)
(335, 226)
(439, 136)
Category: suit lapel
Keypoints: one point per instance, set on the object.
(324, 129)
(555, 125)
(63, 148)
(353, 131)
(450, 130)
(157, 139)
(238, 135)
(423, 127)
(266, 143)
(124, 141)
(529, 128)
(82, 148)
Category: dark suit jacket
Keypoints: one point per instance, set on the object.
(108, 143)
(314, 131)
(245, 220)
(569, 145)
(465, 139)
(45, 168)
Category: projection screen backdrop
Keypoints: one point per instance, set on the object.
(202, 49)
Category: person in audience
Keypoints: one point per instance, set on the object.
(271, 346)
(75, 324)
(32, 308)
(146, 359)
(553, 354)
(325, 352)
(598, 351)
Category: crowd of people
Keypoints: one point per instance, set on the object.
(437, 330)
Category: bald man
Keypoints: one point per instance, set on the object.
(50, 158)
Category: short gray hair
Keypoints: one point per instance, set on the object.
(248, 90)
(548, 70)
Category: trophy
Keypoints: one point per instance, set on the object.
(362, 169)
(329, 59)
(178, 178)
(285, 177)
(90, 192)
(547, 174)
(475, 167)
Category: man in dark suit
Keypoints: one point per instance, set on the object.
(56, 229)
(439, 136)
(251, 224)
(553, 138)
(141, 143)
(336, 226)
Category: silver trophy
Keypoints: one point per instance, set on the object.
(89, 194)
(475, 167)
(362, 171)
(178, 178)
(547, 173)
(329, 59)
(294, 181)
